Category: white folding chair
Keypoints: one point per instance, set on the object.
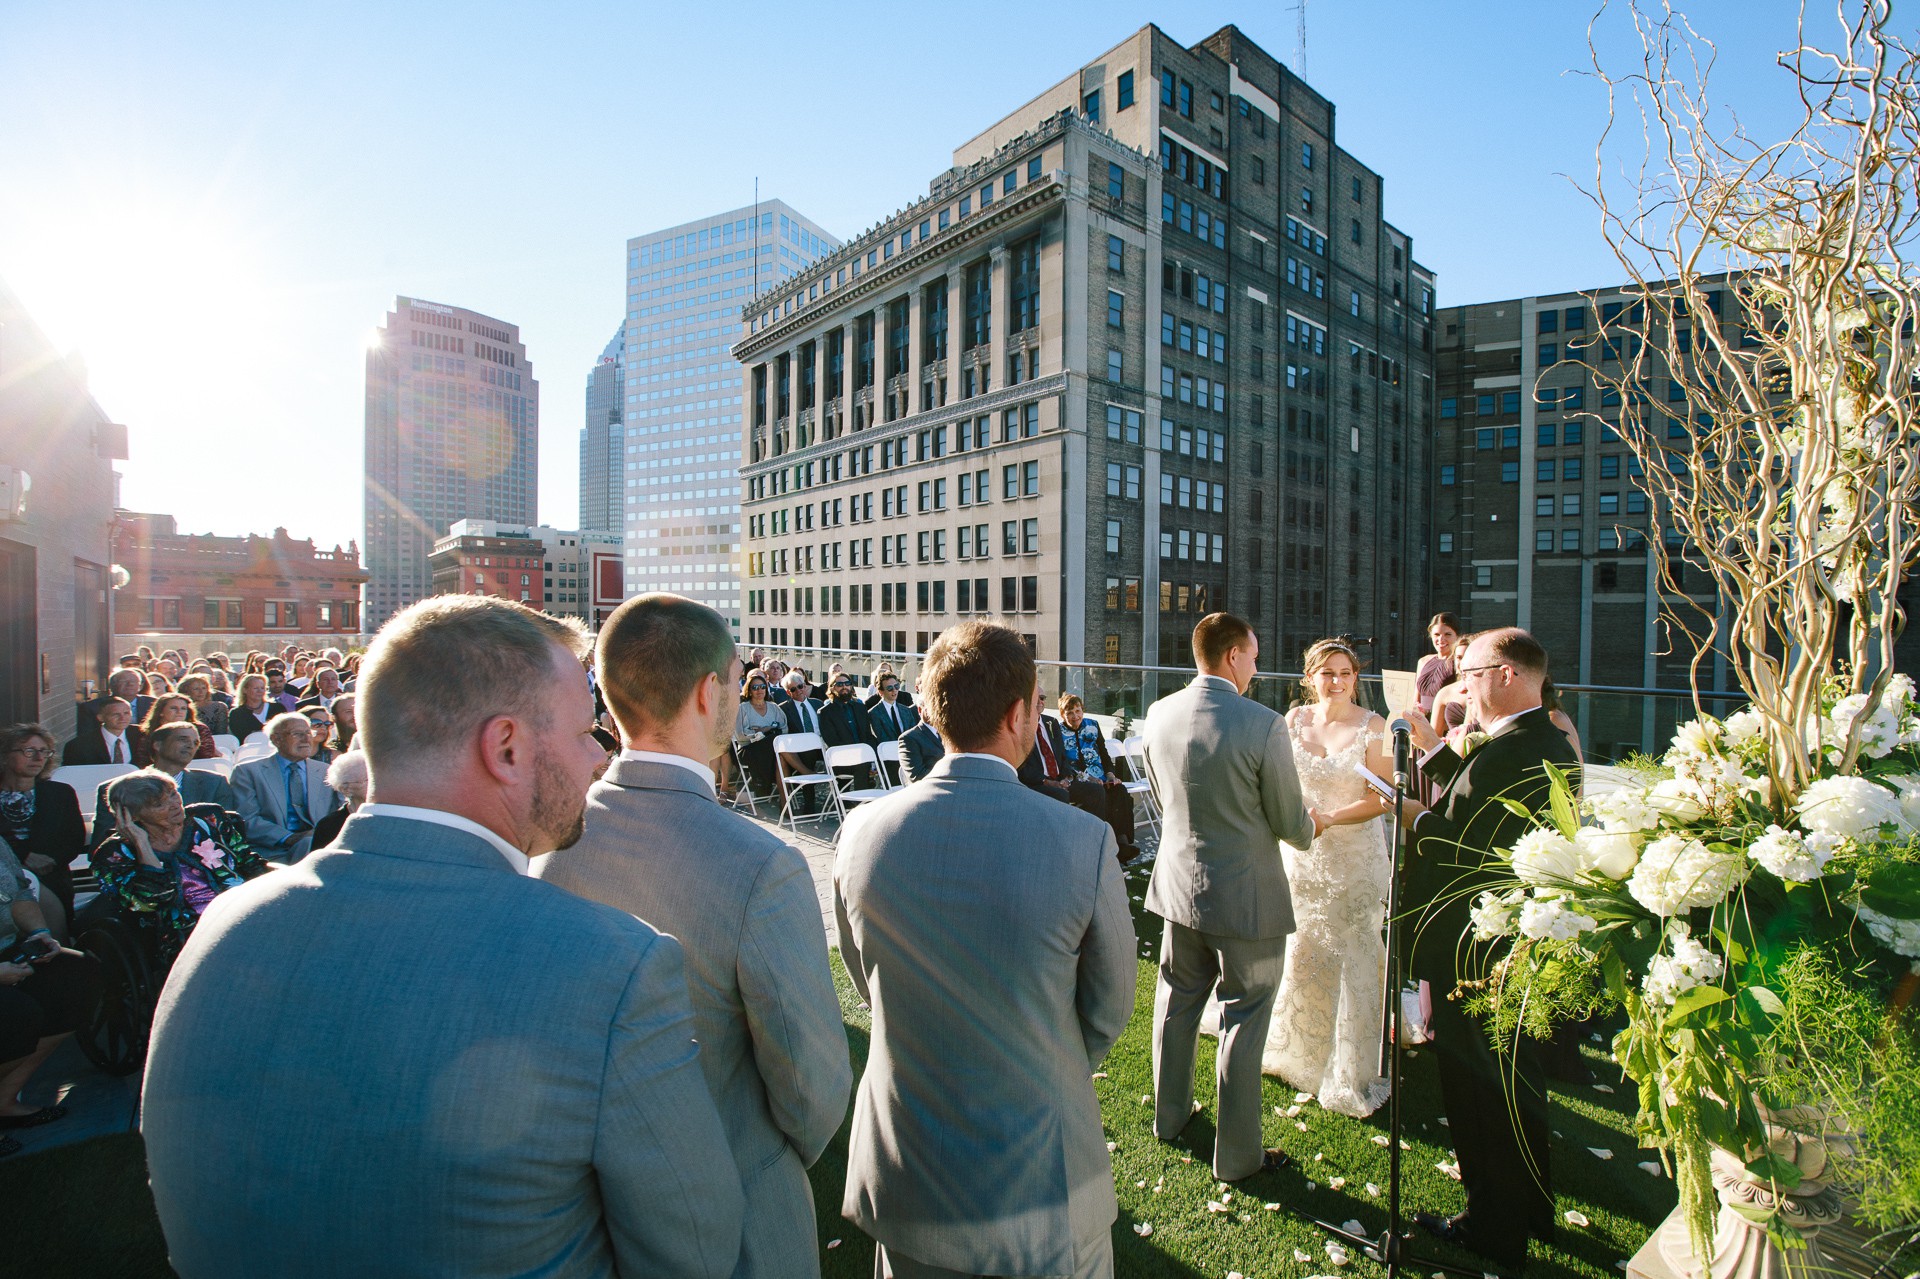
(226, 744)
(845, 794)
(1134, 750)
(86, 780)
(743, 797)
(222, 766)
(255, 747)
(799, 744)
(889, 753)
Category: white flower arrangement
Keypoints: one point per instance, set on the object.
(1545, 858)
(1553, 918)
(1691, 964)
(1791, 855)
(1901, 936)
(1677, 874)
(1494, 914)
(1848, 807)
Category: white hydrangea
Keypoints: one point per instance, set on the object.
(1697, 737)
(1624, 809)
(1880, 732)
(1677, 874)
(1553, 919)
(1909, 787)
(1493, 914)
(1788, 855)
(1901, 936)
(1546, 859)
(1849, 807)
(1609, 852)
(1900, 691)
(1678, 799)
(1741, 727)
(1670, 976)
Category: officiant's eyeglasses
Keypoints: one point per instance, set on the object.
(1475, 670)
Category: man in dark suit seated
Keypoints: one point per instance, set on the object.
(920, 749)
(845, 722)
(892, 713)
(1496, 1102)
(881, 678)
(1046, 771)
(803, 716)
(110, 739)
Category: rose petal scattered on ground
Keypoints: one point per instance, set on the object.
(1143, 1229)
(833, 1243)
(1303, 1096)
(1301, 1124)
(1373, 1190)
(1099, 1074)
(1319, 1155)
(1577, 1218)
(1146, 1099)
(1353, 1227)
(1338, 1183)
(1599, 1152)
(1450, 1169)
(1112, 1146)
(1301, 1256)
(1292, 1110)
(1139, 1185)
(1214, 1205)
(1607, 1088)
(1279, 1111)
(1186, 1159)
(1379, 1139)
(1653, 1166)
(1271, 1207)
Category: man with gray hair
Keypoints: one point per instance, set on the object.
(172, 747)
(404, 1055)
(347, 778)
(741, 901)
(284, 795)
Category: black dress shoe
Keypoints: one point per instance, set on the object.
(1458, 1231)
(1128, 852)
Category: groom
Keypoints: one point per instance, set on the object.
(1221, 767)
(1499, 1133)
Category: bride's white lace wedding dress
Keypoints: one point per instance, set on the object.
(1325, 1034)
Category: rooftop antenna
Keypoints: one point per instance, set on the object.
(1300, 38)
(756, 237)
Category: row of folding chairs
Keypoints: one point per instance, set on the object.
(840, 793)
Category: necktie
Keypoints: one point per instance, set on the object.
(297, 819)
(893, 720)
(1047, 761)
(806, 717)
(119, 750)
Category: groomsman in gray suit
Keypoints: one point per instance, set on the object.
(741, 903)
(1221, 767)
(988, 928)
(402, 1056)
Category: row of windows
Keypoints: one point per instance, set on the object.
(1194, 170)
(1123, 425)
(970, 595)
(1208, 344)
(163, 613)
(1571, 399)
(1195, 287)
(1192, 544)
(1208, 228)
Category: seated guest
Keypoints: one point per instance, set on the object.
(110, 738)
(277, 691)
(1087, 760)
(344, 1079)
(252, 710)
(920, 749)
(46, 993)
(1048, 771)
(881, 675)
(891, 716)
(346, 722)
(844, 722)
(174, 708)
(347, 778)
(172, 749)
(206, 709)
(40, 819)
(324, 688)
(776, 673)
(130, 686)
(322, 721)
(283, 795)
(757, 722)
(738, 899)
(165, 862)
(803, 716)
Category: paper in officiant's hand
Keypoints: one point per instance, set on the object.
(1379, 786)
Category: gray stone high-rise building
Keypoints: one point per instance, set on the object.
(1148, 350)
(686, 284)
(452, 432)
(601, 440)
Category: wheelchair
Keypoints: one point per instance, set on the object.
(131, 972)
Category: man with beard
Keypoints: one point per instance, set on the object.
(739, 900)
(845, 722)
(404, 1055)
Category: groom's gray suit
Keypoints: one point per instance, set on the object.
(1221, 767)
(987, 926)
(742, 904)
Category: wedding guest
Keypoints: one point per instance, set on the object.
(129, 685)
(165, 862)
(40, 818)
(206, 708)
(1222, 772)
(346, 722)
(741, 903)
(1084, 752)
(756, 723)
(110, 738)
(881, 675)
(251, 714)
(174, 708)
(539, 1107)
(920, 749)
(46, 993)
(1436, 669)
(222, 681)
(277, 690)
(172, 749)
(283, 795)
(988, 928)
(347, 778)
(891, 714)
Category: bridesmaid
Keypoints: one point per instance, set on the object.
(1437, 671)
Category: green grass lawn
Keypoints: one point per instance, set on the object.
(84, 1209)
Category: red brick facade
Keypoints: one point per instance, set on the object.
(508, 567)
(200, 584)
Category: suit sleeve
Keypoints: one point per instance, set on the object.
(843, 925)
(1441, 765)
(1286, 812)
(793, 1014)
(1109, 974)
(668, 1183)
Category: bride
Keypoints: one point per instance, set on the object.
(1325, 1034)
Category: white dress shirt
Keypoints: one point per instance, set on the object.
(440, 817)
(126, 750)
(694, 766)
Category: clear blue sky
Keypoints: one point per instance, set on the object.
(215, 203)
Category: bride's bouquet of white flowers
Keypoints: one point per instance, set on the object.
(1726, 919)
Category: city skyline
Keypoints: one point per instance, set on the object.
(167, 173)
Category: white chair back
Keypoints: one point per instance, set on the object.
(854, 756)
(888, 752)
(224, 767)
(86, 779)
(798, 743)
(255, 747)
(226, 744)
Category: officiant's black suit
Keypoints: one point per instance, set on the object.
(1496, 1105)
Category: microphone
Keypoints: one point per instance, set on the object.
(1402, 752)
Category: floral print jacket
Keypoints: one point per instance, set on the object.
(168, 900)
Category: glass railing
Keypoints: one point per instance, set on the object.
(1613, 721)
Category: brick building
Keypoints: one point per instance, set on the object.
(57, 487)
(578, 573)
(502, 563)
(206, 593)
(1147, 350)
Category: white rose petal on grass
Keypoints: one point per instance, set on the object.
(1373, 1190)
(1599, 1152)
(1577, 1218)
(1301, 1257)
(1651, 1167)
(1338, 1183)
(1603, 1088)
(1303, 1096)
(1353, 1227)
(1112, 1146)
(1449, 1169)
(1293, 1110)
(1379, 1139)
(1099, 1074)
(833, 1243)
(1301, 1124)
(1143, 1228)
(1849, 807)
(1271, 1207)
(1139, 1185)
(1214, 1205)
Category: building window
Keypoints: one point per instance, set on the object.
(1123, 94)
(1569, 539)
(1113, 537)
(1509, 472)
(1116, 256)
(1446, 543)
(1030, 479)
(1483, 575)
(1306, 155)
(1116, 306)
(1116, 366)
(1090, 107)
(1446, 476)
(1543, 539)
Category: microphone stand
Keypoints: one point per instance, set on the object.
(1390, 1247)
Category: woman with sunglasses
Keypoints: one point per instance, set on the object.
(755, 726)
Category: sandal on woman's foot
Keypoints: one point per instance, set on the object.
(33, 1119)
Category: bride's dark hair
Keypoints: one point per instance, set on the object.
(1323, 651)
